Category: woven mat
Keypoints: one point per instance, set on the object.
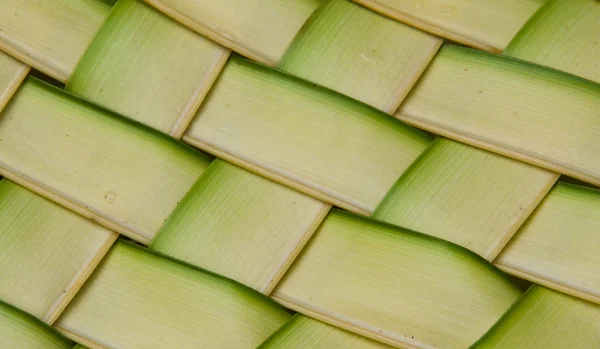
(300, 174)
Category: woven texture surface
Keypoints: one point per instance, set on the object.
(362, 174)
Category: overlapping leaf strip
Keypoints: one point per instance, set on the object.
(253, 219)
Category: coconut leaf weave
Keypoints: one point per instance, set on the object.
(300, 174)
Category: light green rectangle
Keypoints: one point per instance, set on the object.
(137, 299)
(50, 36)
(240, 225)
(147, 67)
(258, 29)
(359, 53)
(466, 195)
(559, 245)
(525, 111)
(546, 319)
(46, 251)
(19, 330)
(125, 175)
(394, 285)
(312, 139)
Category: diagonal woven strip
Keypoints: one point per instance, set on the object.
(47, 251)
(260, 30)
(235, 123)
(50, 120)
(487, 25)
(462, 93)
(117, 44)
(360, 54)
(301, 147)
(568, 211)
(205, 307)
(50, 36)
(346, 250)
(21, 330)
(303, 332)
(545, 318)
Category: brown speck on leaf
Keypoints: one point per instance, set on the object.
(110, 196)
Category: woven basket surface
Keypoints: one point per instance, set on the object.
(300, 174)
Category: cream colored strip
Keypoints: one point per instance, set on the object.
(12, 73)
(240, 225)
(466, 195)
(47, 252)
(50, 36)
(527, 112)
(484, 24)
(94, 162)
(565, 35)
(403, 288)
(312, 139)
(137, 299)
(352, 50)
(159, 81)
(258, 29)
(558, 246)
